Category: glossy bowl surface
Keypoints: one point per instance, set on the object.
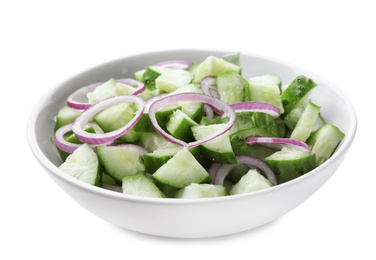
(190, 218)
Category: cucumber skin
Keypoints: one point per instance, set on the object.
(297, 89)
(254, 124)
(286, 171)
(324, 141)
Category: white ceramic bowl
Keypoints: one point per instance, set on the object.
(198, 217)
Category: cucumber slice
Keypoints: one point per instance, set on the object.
(230, 86)
(213, 66)
(306, 122)
(289, 164)
(151, 74)
(181, 170)
(66, 115)
(218, 149)
(106, 90)
(240, 147)
(153, 161)
(141, 185)
(264, 88)
(193, 109)
(138, 75)
(250, 124)
(195, 191)
(154, 141)
(298, 89)
(115, 117)
(120, 161)
(180, 125)
(173, 80)
(292, 118)
(233, 58)
(250, 182)
(83, 164)
(324, 141)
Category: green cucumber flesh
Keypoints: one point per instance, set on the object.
(297, 90)
(195, 191)
(250, 182)
(289, 164)
(83, 164)
(181, 170)
(306, 122)
(219, 149)
(120, 161)
(324, 141)
(230, 86)
(173, 80)
(140, 185)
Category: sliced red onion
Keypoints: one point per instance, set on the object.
(78, 99)
(251, 162)
(139, 86)
(152, 100)
(85, 116)
(213, 169)
(219, 106)
(206, 84)
(208, 111)
(279, 143)
(253, 106)
(174, 64)
(68, 147)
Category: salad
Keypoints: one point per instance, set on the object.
(193, 130)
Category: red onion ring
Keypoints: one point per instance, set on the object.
(251, 162)
(278, 143)
(91, 138)
(253, 106)
(139, 86)
(173, 64)
(219, 106)
(74, 100)
(68, 147)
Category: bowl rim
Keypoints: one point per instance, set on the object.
(51, 168)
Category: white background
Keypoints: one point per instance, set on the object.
(45, 42)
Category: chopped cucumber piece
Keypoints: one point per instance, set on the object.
(66, 115)
(141, 185)
(249, 124)
(218, 149)
(181, 170)
(306, 122)
(233, 58)
(324, 141)
(151, 74)
(153, 161)
(213, 66)
(251, 181)
(173, 80)
(195, 191)
(230, 86)
(106, 90)
(120, 161)
(295, 92)
(114, 117)
(264, 88)
(138, 75)
(83, 164)
(193, 109)
(289, 164)
(180, 125)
